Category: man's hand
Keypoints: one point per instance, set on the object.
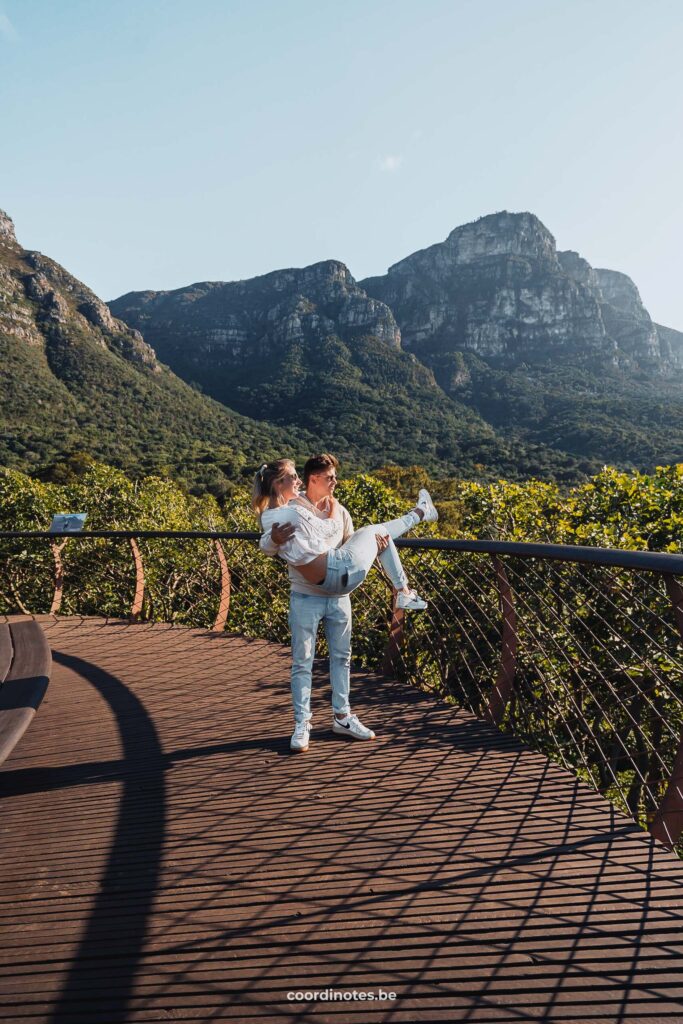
(281, 534)
(382, 542)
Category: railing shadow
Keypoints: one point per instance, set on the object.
(410, 899)
(439, 917)
(141, 822)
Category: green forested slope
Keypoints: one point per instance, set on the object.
(72, 378)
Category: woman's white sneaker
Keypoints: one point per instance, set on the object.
(300, 736)
(424, 502)
(352, 726)
(410, 601)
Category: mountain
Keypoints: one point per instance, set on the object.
(540, 343)
(490, 353)
(490, 349)
(310, 347)
(499, 289)
(74, 377)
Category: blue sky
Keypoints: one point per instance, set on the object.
(153, 143)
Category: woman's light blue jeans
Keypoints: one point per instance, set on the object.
(348, 565)
(305, 613)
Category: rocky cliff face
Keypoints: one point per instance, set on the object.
(498, 289)
(629, 323)
(212, 328)
(541, 344)
(499, 235)
(671, 341)
(7, 234)
(43, 305)
(237, 339)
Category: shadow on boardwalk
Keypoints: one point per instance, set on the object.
(164, 857)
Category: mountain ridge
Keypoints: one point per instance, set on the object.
(307, 345)
(503, 323)
(488, 354)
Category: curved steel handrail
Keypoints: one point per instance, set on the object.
(654, 561)
(667, 823)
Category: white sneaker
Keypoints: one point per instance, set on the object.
(410, 601)
(299, 740)
(424, 501)
(352, 726)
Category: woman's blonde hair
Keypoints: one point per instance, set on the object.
(268, 475)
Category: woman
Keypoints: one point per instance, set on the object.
(311, 548)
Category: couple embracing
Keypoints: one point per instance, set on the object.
(326, 560)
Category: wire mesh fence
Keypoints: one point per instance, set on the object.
(594, 662)
(581, 657)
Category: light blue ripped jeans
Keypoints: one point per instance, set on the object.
(305, 613)
(348, 565)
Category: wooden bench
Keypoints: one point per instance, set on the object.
(25, 664)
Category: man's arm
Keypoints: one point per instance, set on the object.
(273, 538)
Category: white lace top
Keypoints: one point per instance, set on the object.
(313, 535)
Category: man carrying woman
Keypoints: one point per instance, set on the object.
(326, 560)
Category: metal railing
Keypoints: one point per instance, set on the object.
(577, 651)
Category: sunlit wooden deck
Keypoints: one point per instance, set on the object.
(164, 856)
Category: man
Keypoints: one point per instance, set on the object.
(308, 607)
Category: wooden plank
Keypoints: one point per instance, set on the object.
(163, 856)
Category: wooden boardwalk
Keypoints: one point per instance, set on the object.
(164, 856)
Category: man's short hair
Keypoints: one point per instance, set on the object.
(318, 464)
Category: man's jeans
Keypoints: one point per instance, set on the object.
(305, 613)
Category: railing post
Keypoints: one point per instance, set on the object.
(139, 581)
(392, 651)
(667, 823)
(224, 605)
(59, 576)
(502, 690)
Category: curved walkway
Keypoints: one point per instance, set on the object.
(164, 857)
